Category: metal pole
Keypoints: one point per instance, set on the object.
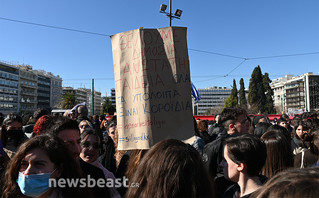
(170, 13)
(92, 96)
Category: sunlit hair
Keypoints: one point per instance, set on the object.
(57, 153)
(291, 183)
(279, 153)
(171, 168)
(230, 116)
(88, 132)
(202, 125)
(86, 122)
(247, 149)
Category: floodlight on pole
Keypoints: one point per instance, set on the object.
(177, 14)
(163, 8)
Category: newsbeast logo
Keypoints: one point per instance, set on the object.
(90, 182)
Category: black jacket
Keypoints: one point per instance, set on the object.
(96, 174)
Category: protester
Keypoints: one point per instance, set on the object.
(309, 157)
(299, 140)
(291, 183)
(41, 125)
(39, 159)
(202, 126)
(235, 122)
(261, 128)
(172, 169)
(279, 153)
(90, 143)
(108, 154)
(83, 125)
(82, 112)
(285, 117)
(11, 133)
(244, 157)
(67, 130)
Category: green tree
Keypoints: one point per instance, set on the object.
(107, 107)
(242, 94)
(232, 100)
(68, 100)
(269, 107)
(256, 94)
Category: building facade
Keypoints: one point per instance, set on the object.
(9, 88)
(296, 94)
(113, 98)
(56, 91)
(44, 90)
(211, 97)
(23, 90)
(28, 90)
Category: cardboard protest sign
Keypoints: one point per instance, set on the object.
(152, 84)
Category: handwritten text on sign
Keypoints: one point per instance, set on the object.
(152, 84)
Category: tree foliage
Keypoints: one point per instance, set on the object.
(232, 100)
(242, 94)
(269, 107)
(68, 100)
(256, 94)
(107, 107)
(260, 96)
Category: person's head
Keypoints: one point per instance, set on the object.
(261, 128)
(42, 156)
(171, 168)
(111, 130)
(103, 125)
(285, 117)
(281, 130)
(283, 122)
(41, 125)
(90, 143)
(82, 110)
(258, 119)
(84, 124)
(279, 153)
(202, 125)
(300, 129)
(244, 154)
(291, 183)
(12, 128)
(67, 130)
(235, 120)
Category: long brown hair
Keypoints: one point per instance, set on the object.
(279, 153)
(171, 168)
(57, 153)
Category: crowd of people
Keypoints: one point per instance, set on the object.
(237, 155)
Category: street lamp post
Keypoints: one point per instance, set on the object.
(177, 14)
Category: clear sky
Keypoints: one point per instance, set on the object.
(221, 34)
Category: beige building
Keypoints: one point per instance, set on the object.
(296, 94)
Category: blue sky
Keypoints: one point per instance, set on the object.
(238, 29)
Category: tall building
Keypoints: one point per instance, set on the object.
(56, 91)
(296, 94)
(9, 88)
(113, 98)
(24, 90)
(28, 89)
(44, 90)
(211, 97)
